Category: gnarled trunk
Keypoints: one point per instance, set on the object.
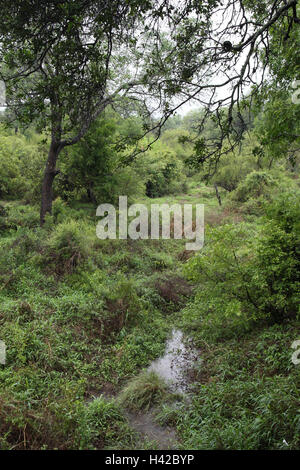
(49, 175)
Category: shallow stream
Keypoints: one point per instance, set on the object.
(175, 366)
(176, 363)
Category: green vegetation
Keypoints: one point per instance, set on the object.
(146, 390)
(80, 316)
(246, 395)
(83, 318)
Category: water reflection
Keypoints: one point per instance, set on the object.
(177, 360)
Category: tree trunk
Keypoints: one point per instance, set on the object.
(49, 175)
(218, 195)
(91, 195)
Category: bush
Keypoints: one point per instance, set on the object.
(247, 274)
(247, 394)
(21, 216)
(162, 181)
(103, 424)
(232, 170)
(68, 245)
(161, 171)
(93, 169)
(122, 305)
(256, 184)
(278, 257)
(22, 163)
(249, 414)
(143, 392)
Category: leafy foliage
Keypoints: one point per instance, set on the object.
(247, 275)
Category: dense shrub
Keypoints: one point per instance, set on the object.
(161, 171)
(278, 257)
(68, 245)
(233, 169)
(22, 161)
(256, 184)
(244, 414)
(247, 275)
(93, 170)
(103, 424)
(17, 216)
(122, 305)
(246, 395)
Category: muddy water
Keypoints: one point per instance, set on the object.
(179, 358)
(174, 367)
(145, 425)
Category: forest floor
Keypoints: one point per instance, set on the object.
(83, 319)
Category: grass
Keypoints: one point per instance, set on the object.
(80, 316)
(246, 395)
(103, 424)
(143, 392)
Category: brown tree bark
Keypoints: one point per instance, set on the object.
(49, 175)
(218, 195)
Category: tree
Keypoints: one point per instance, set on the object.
(94, 166)
(57, 61)
(64, 62)
(227, 76)
(87, 164)
(278, 117)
